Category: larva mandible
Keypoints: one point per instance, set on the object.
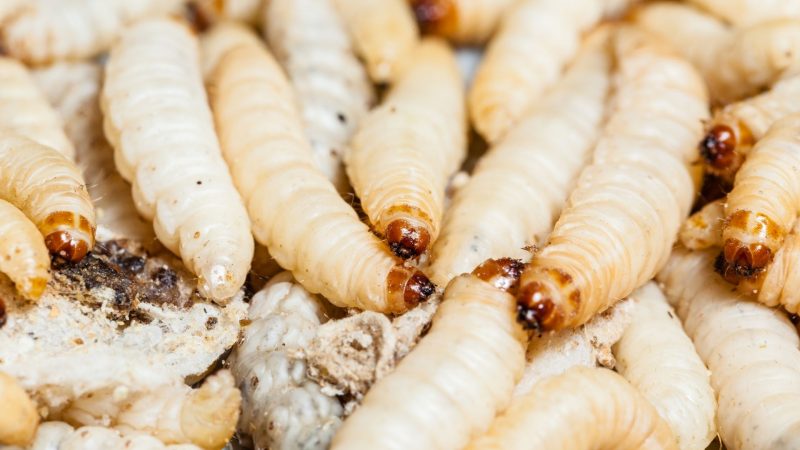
(18, 416)
(657, 358)
(62, 436)
(469, 22)
(334, 93)
(583, 408)
(157, 119)
(218, 40)
(502, 208)
(750, 12)
(404, 152)
(622, 218)
(296, 211)
(458, 376)
(703, 229)
(751, 350)
(23, 255)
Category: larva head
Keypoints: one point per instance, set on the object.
(2, 312)
(406, 239)
(435, 16)
(502, 273)
(540, 299)
(68, 235)
(750, 241)
(406, 287)
(718, 147)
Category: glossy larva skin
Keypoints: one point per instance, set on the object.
(62, 436)
(18, 416)
(657, 358)
(159, 123)
(750, 12)
(503, 207)
(45, 31)
(583, 408)
(220, 39)
(469, 361)
(751, 350)
(23, 255)
(25, 111)
(332, 88)
(469, 22)
(703, 229)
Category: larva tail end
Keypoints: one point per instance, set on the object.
(435, 16)
(536, 309)
(62, 243)
(32, 288)
(407, 287)
(502, 273)
(406, 239)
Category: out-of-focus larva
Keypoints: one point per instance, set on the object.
(46, 31)
(62, 436)
(623, 217)
(334, 93)
(461, 21)
(161, 128)
(657, 358)
(404, 152)
(751, 350)
(533, 43)
(248, 11)
(281, 408)
(220, 39)
(750, 12)
(703, 229)
(469, 361)
(503, 208)
(18, 415)
(23, 255)
(25, 111)
(583, 408)
(384, 34)
(296, 211)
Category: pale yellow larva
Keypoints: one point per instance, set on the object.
(461, 21)
(703, 229)
(18, 416)
(62, 436)
(23, 255)
(750, 12)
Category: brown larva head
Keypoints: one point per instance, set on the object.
(502, 273)
(67, 235)
(407, 240)
(536, 309)
(406, 287)
(718, 147)
(435, 16)
(63, 244)
(2, 312)
(747, 260)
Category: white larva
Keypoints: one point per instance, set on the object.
(469, 22)
(18, 416)
(159, 123)
(780, 282)
(219, 40)
(703, 229)
(750, 12)
(23, 254)
(54, 435)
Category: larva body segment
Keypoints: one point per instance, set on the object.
(23, 255)
(461, 21)
(62, 436)
(503, 207)
(622, 218)
(220, 39)
(703, 229)
(161, 128)
(18, 416)
(779, 284)
(296, 211)
(750, 12)
(455, 380)
(334, 93)
(751, 350)
(657, 358)
(583, 408)
(404, 152)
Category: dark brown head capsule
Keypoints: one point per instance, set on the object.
(407, 287)
(502, 273)
(3, 316)
(536, 309)
(407, 240)
(747, 260)
(63, 244)
(718, 147)
(434, 16)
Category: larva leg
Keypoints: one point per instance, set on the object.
(62, 436)
(160, 125)
(583, 408)
(622, 218)
(469, 361)
(296, 211)
(750, 349)
(23, 255)
(332, 87)
(750, 12)
(703, 229)
(400, 159)
(220, 39)
(18, 415)
(503, 208)
(461, 21)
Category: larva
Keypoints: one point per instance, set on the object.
(657, 358)
(59, 435)
(469, 361)
(23, 255)
(334, 93)
(18, 416)
(750, 12)
(583, 408)
(533, 43)
(503, 208)
(383, 34)
(751, 350)
(25, 111)
(404, 152)
(622, 218)
(248, 11)
(159, 123)
(45, 31)
(779, 284)
(703, 229)
(461, 21)
(296, 211)
(220, 39)
(281, 408)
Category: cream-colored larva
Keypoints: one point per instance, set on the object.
(45, 31)
(583, 408)
(657, 358)
(61, 436)
(751, 350)
(18, 416)
(332, 88)
(534, 42)
(703, 229)
(159, 123)
(750, 12)
(220, 39)
(456, 379)
(461, 21)
(248, 11)
(623, 217)
(404, 151)
(384, 34)
(23, 255)
(25, 111)
(503, 207)
(282, 408)
(296, 211)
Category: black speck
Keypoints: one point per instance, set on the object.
(210, 323)
(670, 315)
(342, 118)
(199, 182)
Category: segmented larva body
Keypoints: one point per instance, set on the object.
(23, 255)
(503, 208)
(750, 12)
(161, 128)
(18, 416)
(659, 360)
(296, 211)
(62, 436)
(404, 152)
(779, 284)
(583, 408)
(533, 43)
(383, 33)
(331, 85)
(751, 350)
(281, 408)
(248, 11)
(219, 40)
(703, 229)
(45, 31)
(49, 189)
(25, 111)
(623, 217)
(470, 360)
(461, 21)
